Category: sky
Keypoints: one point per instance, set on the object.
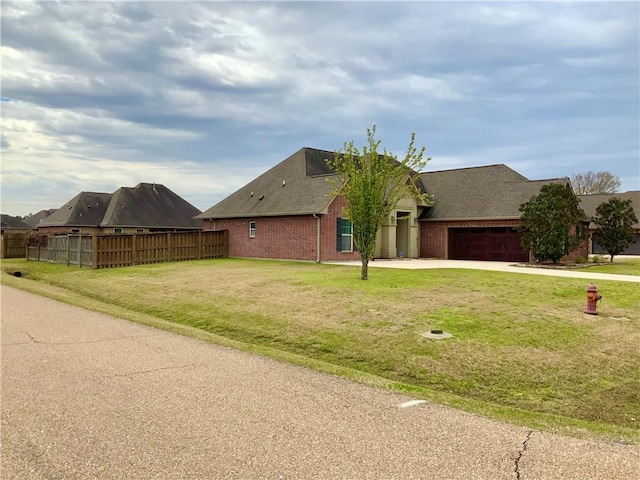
(204, 97)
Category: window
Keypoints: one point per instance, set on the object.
(139, 230)
(75, 230)
(345, 235)
(117, 230)
(252, 229)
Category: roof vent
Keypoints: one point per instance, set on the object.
(283, 183)
(252, 194)
(260, 197)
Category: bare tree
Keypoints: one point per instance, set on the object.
(595, 182)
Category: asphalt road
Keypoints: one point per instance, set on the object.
(88, 396)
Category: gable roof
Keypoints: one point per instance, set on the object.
(150, 205)
(145, 205)
(7, 222)
(36, 218)
(296, 186)
(590, 203)
(487, 192)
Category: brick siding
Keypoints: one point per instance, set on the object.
(434, 237)
(291, 237)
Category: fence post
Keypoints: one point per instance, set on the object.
(199, 247)
(68, 249)
(94, 254)
(169, 247)
(3, 253)
(80, 250)
(134, 250)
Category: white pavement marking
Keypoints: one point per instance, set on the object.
(411, 403)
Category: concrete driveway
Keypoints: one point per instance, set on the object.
(88, 396)
(419, 264)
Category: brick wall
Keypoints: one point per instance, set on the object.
(434, 235)
(292, 237)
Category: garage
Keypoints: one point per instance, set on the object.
(501, 244)
(633, 249)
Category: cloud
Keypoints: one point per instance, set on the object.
(221, 91)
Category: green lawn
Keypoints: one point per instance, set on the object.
(619, 266)
(522, 348)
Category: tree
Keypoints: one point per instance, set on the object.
(551, 222)
(591, 183)
(614, 220)
(372, 183)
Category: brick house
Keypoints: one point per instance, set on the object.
(288, 213)
(590, 203)
(145, 208)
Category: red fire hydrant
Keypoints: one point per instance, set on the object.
(592, 299)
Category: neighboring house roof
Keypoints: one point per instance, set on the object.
(590, 203)
(36, 218)
(7, 222)
(487, 192)
(151, 205)
(86, 209)
(145, 205)
(296, 186)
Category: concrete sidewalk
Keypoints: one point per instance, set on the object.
(88, 396)
(418, 264)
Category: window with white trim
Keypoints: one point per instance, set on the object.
(344, 240)
(252, 229)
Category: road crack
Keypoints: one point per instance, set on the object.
(151, 370)
(521, 454)
(81, 342)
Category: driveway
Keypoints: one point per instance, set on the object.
(417, 264)
(88, 396)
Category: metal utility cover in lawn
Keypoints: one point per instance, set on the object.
(436, 335)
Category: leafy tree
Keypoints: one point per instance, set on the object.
(372, 183)
(591, 183)
(614, 220)
(551, 222)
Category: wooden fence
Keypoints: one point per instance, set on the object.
(13, 245)
(107, 251)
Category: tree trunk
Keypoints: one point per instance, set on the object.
(364, 272)
(611, 259)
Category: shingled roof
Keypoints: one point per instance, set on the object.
(150, 205)
(479, 193)
(146, 205)
(590, 203)
(86, 209)
(7, 222)
(296, 186)
(35, 219)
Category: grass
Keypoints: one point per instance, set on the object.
(523, 350)
(620, 266)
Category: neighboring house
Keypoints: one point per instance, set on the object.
(35, 219)
(9, 224)
(147, 207)
(288, 213)
(590, 203)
